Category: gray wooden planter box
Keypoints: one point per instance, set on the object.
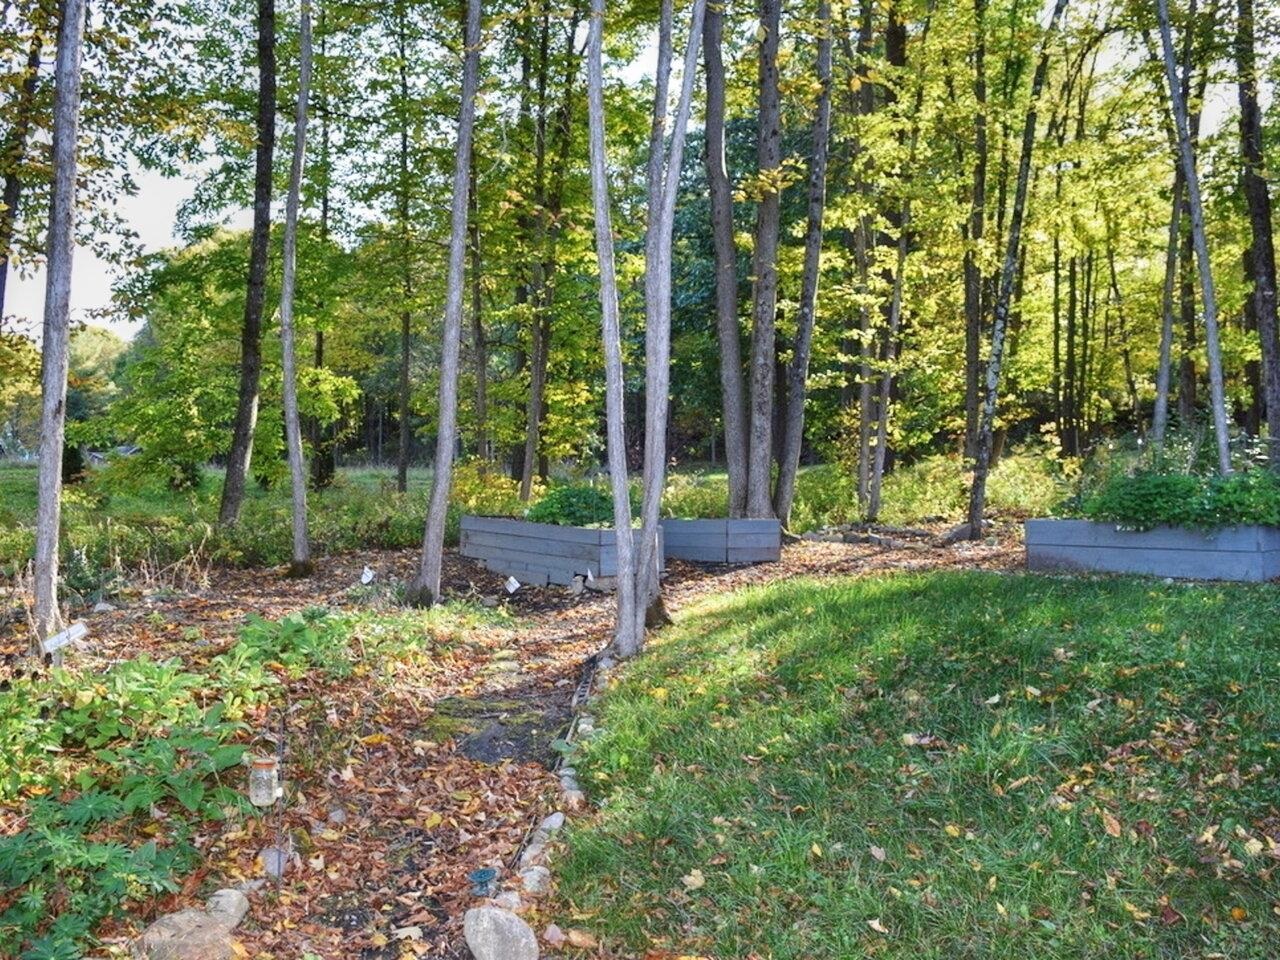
(541, 553)
(1231, 553)
(723, 541)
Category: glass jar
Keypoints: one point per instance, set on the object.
(264, 781)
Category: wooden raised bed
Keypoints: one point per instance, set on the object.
(541, 553)
(1231, 553)
(723, 541)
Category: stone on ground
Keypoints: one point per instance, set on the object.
(195, 934)
(495, 934)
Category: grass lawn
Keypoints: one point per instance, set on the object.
(942, 765)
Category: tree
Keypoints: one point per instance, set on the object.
(1186, 156)
(1004, 296)
(627, 634)
(1262, 252)
(301, 564)
(765, 266)
(798, 372)
(246, 419)
(57, 314)
(733, 397)
(425, 589)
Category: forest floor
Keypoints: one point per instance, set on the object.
(408, 774)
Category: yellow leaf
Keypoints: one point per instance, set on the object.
(815, 850)
(953, 831)
(374, 739)
(1110, 823)
(1137, 913)
(378, 940)
(694, 880)
(581, 939)
(659, 693)
(1239, 914)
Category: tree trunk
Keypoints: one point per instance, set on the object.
(323, 455)
(765, 268)
(977, 227)
(479, 347)
(798, 373)
(1164, 367)
(1258, 201)
(255, 300)
(12, 154)
(1000, 318)
(405, 437)
(301, 564)
(658, 325)
(1187, 156)
(732, 390)
(425, 589)
(626, 637)
(57, 316)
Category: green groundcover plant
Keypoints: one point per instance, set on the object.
(1151, 498)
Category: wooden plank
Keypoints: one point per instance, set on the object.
(753, 554)
(475, 540)
(525, 528)
(1092, 533)
(696, 553)
(1181, 564)
(745, 525)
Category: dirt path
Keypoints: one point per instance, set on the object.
(395, 799)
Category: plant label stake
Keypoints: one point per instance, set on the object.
(77, 631)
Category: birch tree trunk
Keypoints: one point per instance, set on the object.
(798, 372)
(246, 421)
(301, 564)
(1187, 156)
(733, 397)
(1258, 201)
(658, 333)
(425, 589)
(626, 639)
(1004, 295)
(1164, 367)
(57, 315)
(765, 268)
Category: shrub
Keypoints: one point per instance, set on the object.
(1151, 498)
(573, 505)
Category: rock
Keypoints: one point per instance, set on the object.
(274, 862)
(554, 935)
(536, 881)
(509, 900)
(490, 602)
(552, 823)
(337, 815)
(227, 906)
(496, 934)
(103, 607)
(575, 800)
(578, 585)
(186, 935)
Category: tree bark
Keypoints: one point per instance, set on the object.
(798, 372)
(1258, 202)
(55, 347)
(301, 563)
(1209, 299)
(1000, 317)
(765, 268)
(658, 330)
(425, 589)
(479, 346)
(14, 153)
(626, 638)
(405, 431)
(733, 397)
(977, 225)
(246, 421)
(1164, 366)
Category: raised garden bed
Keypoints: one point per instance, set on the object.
(541, 553)
(1232, 553)
(723, 541)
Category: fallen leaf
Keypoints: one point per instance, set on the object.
(1110, 823)
(877, 926)
(693, 880)
(1239, 914)
(580, 939)
(877, 853)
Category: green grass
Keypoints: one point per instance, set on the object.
(980, 766)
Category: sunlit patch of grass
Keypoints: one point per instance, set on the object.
(942, 765)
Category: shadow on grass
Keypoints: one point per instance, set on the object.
(946, 764)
